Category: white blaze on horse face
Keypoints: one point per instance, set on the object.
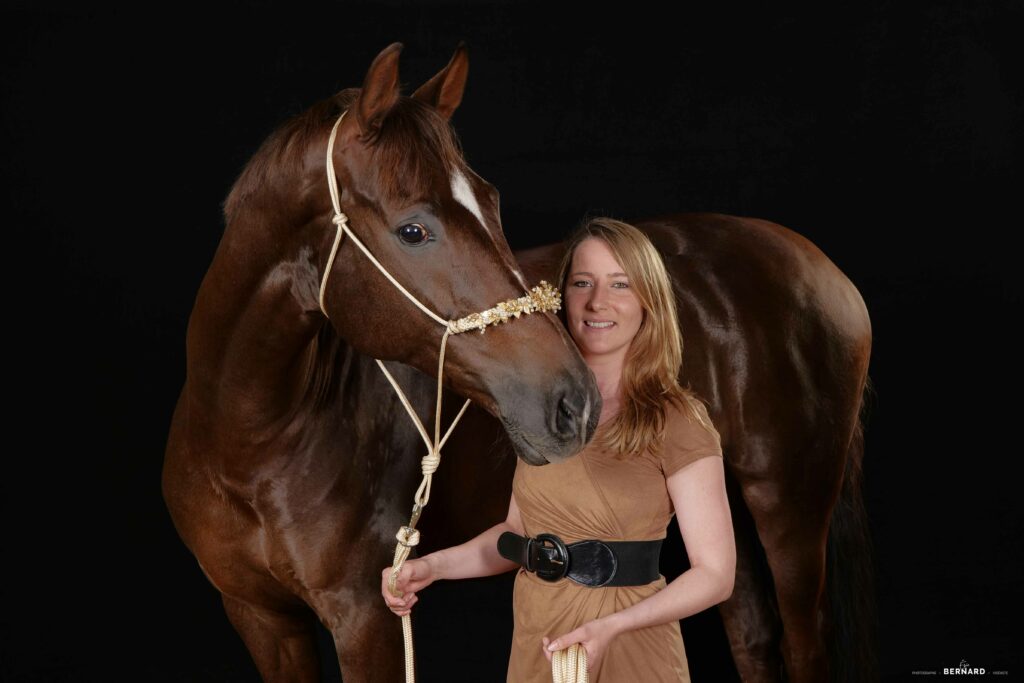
(522, 280)
(463, 194)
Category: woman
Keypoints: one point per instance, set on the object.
(647, 458)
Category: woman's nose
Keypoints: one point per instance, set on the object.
(596, 301)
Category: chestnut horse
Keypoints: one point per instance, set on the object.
(777, 340)
(290, 462)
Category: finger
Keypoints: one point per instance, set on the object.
(407, 600)
(544, 647)
(562, 642)
(409, 583)
(386, 577)
(403, 587)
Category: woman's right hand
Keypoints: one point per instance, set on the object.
(416, 574)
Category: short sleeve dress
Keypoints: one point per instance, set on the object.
(595, 495)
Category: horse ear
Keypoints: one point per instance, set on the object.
(444, 91)
(380, 91)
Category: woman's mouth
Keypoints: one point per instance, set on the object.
(599, 324)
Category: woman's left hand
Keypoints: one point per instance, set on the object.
(594, 635)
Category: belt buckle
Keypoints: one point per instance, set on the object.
(539, 562)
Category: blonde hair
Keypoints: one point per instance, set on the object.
(650, 376)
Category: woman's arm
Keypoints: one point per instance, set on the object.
(702, 509)
(479, 556)
(476, 557)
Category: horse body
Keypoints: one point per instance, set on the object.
(303, 535)
(289, 465)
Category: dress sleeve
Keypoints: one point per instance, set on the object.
(686, 440)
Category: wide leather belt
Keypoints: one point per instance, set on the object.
(590, 563)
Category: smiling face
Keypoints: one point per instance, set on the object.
(602, 310)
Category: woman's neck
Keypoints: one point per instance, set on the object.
(608, 373)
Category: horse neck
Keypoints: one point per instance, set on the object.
(252, 338)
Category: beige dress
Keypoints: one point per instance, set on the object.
(595, 495)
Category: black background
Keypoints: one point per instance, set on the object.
(888, 133)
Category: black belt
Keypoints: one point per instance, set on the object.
(591, 563)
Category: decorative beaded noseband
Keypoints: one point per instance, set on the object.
(541, 298)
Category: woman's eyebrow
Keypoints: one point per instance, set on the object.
(585, 272)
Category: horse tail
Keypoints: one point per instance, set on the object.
(850, 572)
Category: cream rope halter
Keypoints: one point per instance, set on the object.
(541, 298)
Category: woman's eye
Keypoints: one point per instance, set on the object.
(413, 233)
(581, 283)
(621, 285)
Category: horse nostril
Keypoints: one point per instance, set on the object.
(566, 421)
(564, 407)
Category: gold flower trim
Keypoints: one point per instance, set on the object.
(543, 297)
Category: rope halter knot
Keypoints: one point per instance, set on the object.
(408, 537)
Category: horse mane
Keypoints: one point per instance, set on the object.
(412, 141)
(329, 362)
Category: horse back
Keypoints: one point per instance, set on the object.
(775, 337)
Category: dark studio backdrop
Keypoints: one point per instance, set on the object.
(887, 133)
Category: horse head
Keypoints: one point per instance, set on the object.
(434, 225)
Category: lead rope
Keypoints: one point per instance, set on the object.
(541, 298)
(569, 665)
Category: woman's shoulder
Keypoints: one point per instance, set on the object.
(688, 413)
(689, 435)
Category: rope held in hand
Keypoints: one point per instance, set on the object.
(569, 665)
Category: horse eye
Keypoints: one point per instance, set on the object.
(413, 233)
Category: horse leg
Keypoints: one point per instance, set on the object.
(793, 526)
(750, 618)
(283, 645)
(367, 637)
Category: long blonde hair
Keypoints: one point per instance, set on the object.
(650, 376)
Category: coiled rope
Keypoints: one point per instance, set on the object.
(569, 665)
